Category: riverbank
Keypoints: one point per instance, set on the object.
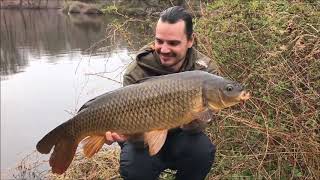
(117, 7)
(142, 8)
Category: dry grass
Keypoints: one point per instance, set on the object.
(103, 165)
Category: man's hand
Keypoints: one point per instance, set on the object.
(114, 137)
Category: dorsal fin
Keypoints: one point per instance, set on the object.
(99, 99)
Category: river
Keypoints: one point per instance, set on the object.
(47, 73)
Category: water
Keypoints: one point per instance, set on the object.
(47, 74)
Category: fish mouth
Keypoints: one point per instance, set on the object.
(244, 96)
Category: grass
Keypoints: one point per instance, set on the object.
(273, 47)
(104, 165)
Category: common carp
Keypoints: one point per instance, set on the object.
(149, 108)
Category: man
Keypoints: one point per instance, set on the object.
(187, 150)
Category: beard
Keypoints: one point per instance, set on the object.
(172, 66)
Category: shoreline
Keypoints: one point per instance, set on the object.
(30, 4)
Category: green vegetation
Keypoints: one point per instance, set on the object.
(274, 48)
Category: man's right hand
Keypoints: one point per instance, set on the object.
(114, 137)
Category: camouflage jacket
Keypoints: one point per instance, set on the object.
(147, 63)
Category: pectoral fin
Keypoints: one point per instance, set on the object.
(93, 144)
(200, 121)
(155, 140)
(205, 116)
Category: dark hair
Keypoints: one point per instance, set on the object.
(176, 13)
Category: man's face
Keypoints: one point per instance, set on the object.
(171, 43)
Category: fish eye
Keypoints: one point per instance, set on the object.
(229, 88)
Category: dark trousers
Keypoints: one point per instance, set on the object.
(192, 155)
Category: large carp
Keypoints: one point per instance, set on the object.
(149, 108)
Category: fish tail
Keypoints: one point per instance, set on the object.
(64, 150)
(62, 155)
(45, 145)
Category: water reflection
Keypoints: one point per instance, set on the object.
(26, 33)
(45, 71)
